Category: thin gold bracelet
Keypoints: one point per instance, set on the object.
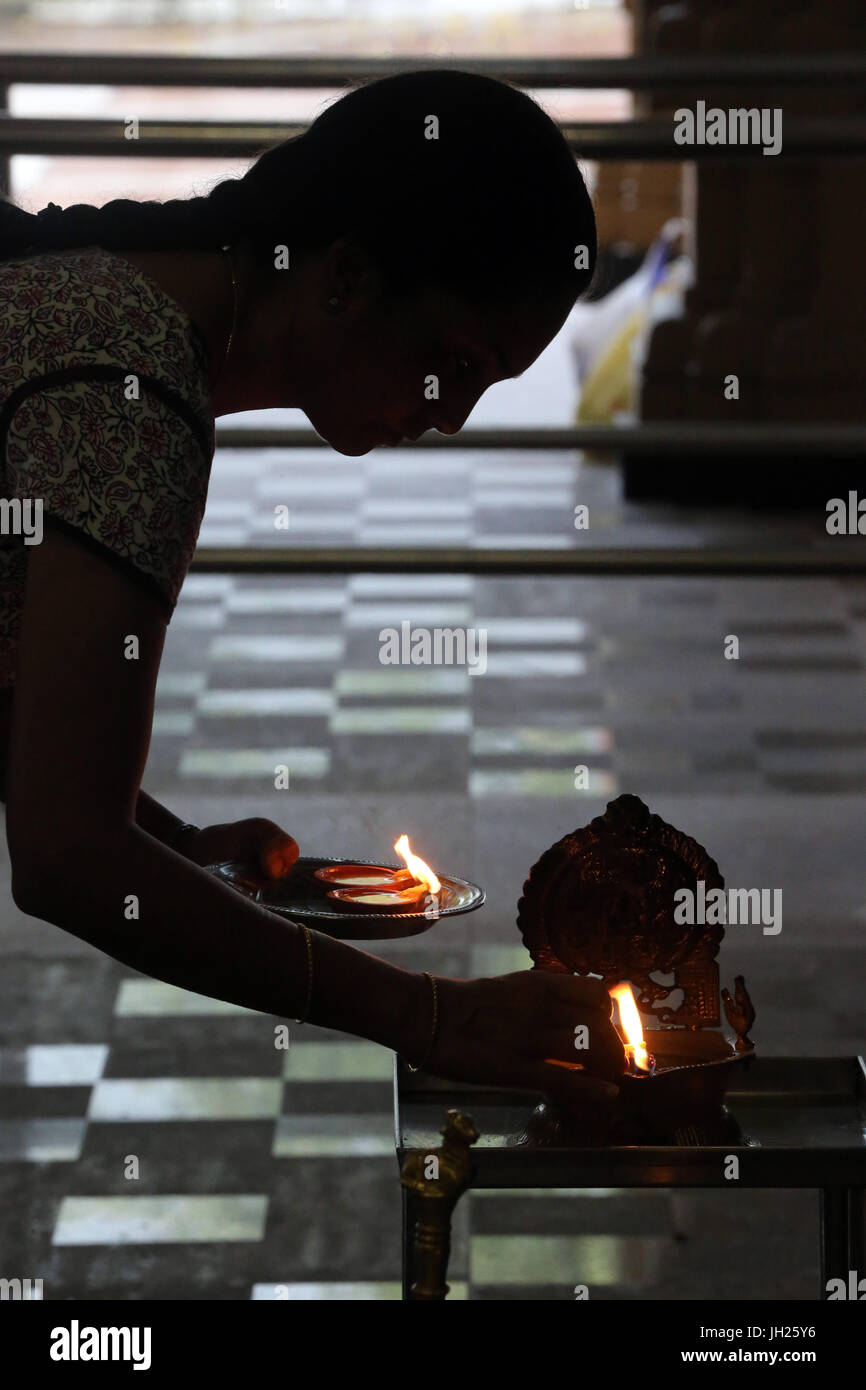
(308, 941)
(426, 1058)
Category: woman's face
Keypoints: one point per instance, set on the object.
(376, 369)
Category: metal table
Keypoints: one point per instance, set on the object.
(804, 1119)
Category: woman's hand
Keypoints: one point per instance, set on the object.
(257, 842)
(501, 1032)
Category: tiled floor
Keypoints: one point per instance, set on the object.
(156, 1144)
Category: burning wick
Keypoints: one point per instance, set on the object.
(421, 872)
(371, 888)
(638, 1059)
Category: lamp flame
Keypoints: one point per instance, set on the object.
(630, 1024)
(421, 872)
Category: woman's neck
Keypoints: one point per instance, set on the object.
(200, 283)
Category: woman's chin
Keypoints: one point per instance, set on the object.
(352, 443)
(352, 450)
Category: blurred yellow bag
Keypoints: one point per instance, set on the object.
(612, 384)
(609, 336)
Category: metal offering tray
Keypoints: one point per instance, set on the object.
(302, 896)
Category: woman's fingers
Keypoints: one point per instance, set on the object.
(576, 1088)
(604, 1054)
(586, 1035)
(552, 1033)
(582, 1008)
(278, 853)
(268, 846)
(256, 842)
(581, 991)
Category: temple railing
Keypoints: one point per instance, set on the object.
(644, 139)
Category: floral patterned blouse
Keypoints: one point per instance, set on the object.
(105, 417)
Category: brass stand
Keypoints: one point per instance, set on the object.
(433, 1181)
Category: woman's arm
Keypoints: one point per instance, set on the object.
(89, 655)
(156, 819)
(149, 813)
(197, 933)
(79, 740)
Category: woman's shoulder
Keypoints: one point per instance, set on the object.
(76, 309)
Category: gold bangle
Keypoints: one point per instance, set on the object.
(308, 942)
(426, 1058)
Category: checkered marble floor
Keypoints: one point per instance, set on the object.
(287, 670)
(154, 1143)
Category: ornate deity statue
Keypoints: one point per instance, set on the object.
(601, 901)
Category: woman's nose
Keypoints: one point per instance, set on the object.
(456, 418)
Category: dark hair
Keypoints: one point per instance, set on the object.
(491, 210)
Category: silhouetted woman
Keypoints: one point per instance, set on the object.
(427, 225)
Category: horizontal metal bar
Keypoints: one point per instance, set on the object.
(635, 74)
(652, 138)
(5, 180)
(667, 560)
(776, 440)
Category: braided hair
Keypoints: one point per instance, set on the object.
(492, 209)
